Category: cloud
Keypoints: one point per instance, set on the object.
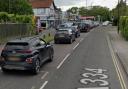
(65, 4)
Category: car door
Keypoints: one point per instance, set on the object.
(45, 50)
(73, 33)
(42, 51)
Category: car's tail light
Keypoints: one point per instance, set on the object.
(2, 59)
(29, 60)
(24, 51)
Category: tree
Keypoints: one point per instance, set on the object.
(73, 10)
(21, 7)
(123, 8)
(103, 12)
(96, 11)
(83, 11)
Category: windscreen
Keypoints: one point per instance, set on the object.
(16, 46)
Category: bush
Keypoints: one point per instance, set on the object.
(124, 26)
(4, 17)
(20, 19)
(12, 18)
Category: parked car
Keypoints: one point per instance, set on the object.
(90, 23)
(75, 28)
(105, 23)
(62, 26)
(69, 24)
(26, 54)
(84, 27)
(64, 35)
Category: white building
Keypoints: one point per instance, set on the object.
(46, 11)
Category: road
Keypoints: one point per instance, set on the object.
(88, 63)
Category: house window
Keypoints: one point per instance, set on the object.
(39, 11)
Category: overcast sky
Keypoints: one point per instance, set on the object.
(65, 4)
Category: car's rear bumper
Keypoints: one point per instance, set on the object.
(17, 66)
(62, 39)
(84, 30)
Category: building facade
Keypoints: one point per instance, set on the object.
(46, 12)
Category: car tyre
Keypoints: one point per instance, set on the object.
(36, 70)
(51, 56)
(56, 42)
(4, 69)
(70, 41)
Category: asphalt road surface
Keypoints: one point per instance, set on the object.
(88, 63)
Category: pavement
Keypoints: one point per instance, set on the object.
(120, 46)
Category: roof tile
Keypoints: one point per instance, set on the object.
(41, 3)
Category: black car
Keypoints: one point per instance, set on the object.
(64, 25)
(64, 35)
(83, 27)
(76, 29)
(26, 54)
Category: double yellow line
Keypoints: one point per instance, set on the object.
(116, 64)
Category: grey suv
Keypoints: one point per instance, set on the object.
(66, 34)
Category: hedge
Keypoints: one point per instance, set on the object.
(12, 18)
(6, 18)
(124, 26)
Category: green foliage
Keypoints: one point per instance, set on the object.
(48, 38)
(98, 10)
(123, 11)
(124, 26)
(4, 17)
(103, 12)
(12, 18)
(73, 10)
(21, 7)
(82, 11)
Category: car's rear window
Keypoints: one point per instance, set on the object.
(16, 46)
(62, 31)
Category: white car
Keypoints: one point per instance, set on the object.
(105, 23)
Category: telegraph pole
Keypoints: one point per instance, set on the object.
(8, 6)
(86, 7)
(125, 7)
(118, 17)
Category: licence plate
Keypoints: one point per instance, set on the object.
(14, 67)
(61, 36)
(13, 59)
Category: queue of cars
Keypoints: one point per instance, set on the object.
(69, 31)
(32, 52)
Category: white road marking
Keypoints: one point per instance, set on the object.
(95, 88)
(76, 46)
(102, 76)
(81, 39)
(45, 83)
(114, 58)
(63, 61)
(44, 75)
(0, 68)
(87, 81)
(99, 71)
(33, 87)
